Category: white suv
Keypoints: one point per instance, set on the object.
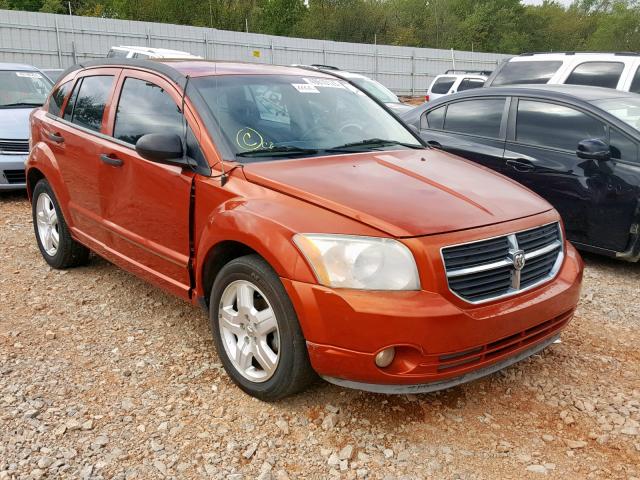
(453, 81)
(609, 70)
(147, 52)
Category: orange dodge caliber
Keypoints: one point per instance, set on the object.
(318, 231)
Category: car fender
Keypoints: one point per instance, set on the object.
(41, 158)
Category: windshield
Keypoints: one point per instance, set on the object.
(626, 109)
(376, 89)
(23, 89)
(298, 116)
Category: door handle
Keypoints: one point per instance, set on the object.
(434, 144)
(520, 166)
(109, 160)
(55, 137)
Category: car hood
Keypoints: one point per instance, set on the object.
(14, 123)
(404, 193)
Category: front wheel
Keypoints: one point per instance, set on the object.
(256, 330)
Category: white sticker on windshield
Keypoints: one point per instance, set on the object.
(29, 74)
(324, 82)
(305, 88)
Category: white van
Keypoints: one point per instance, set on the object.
(147, 52)
(453, 81)
(609, 70)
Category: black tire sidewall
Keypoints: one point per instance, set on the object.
(56, 260)
(258, 272)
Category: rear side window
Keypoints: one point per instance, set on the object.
(92, 98)
(476, 117)
(140, 55)
(57, 99)
(555, 126)
(596, 74)
(635, 84)
(443, 85)
(435, 118)
(145, 108)
(469, 83)
(526, 72)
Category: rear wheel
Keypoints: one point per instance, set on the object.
(256, 330)
(52, 234)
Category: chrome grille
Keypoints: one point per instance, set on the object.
(14, 146)
(488, 269)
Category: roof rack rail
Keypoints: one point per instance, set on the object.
(630, 54)
(324, 67)
(479, 72)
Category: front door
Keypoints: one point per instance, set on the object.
(146, 204)
(541, 154)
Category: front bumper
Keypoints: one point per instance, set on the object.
(439, 341)
(12, 176)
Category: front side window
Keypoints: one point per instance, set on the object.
(442, 85)
(555, 126)
(274, 115)
(531, 71)
(145, 108)
(469, 83)
(23, 89)
(622, 147)
(596, 74)
(57, 99)
(635, 84)
(476, 117)
(377, 90)
(92, 99)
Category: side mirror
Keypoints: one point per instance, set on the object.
(163, 148)
(594, 149)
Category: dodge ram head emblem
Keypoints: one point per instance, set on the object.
(519, 260)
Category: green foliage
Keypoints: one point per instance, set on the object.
(506, 26)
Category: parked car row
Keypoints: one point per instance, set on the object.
(319, 231)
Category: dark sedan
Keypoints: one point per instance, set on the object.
(575, 146)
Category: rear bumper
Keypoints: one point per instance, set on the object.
(12, 175)
(438, 340)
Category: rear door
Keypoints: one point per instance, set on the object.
(146, 204)
(472, 128)
(73, 139)
(540, 153)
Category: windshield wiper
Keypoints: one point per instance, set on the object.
(371, 143)
(21, 104)
(281, 151)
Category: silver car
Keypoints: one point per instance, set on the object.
(22, 88)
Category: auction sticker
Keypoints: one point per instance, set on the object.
(305, 88)
(28, 74)
(324, 82)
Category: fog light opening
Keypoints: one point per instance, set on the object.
(385, 357)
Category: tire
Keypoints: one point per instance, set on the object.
(240, 332)
(47, 216)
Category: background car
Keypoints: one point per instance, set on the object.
(575, 146)
(610, 70)
(22, 88)
(374, 88)
(52, 73)
(147, 52)
(453, 81)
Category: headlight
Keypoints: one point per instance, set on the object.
(366, 263)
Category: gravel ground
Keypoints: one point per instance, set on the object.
(104, 376)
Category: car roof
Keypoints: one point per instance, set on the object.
(159, 51)
(567, 92)
(18, 66)
(541, 56)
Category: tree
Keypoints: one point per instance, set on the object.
(52, 6)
